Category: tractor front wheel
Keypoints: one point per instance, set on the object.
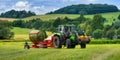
(57, 42)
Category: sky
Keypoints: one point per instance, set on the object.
(45, 6)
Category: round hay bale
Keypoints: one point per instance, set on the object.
(37, 35)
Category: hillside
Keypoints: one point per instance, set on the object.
(108, 16)
(9, 19)
(86, 9)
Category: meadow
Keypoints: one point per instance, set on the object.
(15, 51)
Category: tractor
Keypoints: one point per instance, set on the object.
(69, 36)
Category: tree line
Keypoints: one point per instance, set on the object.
(17, 14)
(93, 27)
(86, 9)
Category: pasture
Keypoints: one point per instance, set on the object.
(15, 51)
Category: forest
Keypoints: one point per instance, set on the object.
(86, 9)
(17, 14)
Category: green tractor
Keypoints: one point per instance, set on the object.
(68, 36)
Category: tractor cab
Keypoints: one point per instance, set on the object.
(66, 28)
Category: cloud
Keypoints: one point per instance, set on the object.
(22, 5)
(42, 9)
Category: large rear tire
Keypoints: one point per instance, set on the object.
(69, 44)
(57, 42)
(83, 44)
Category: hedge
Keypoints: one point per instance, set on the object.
(105, 42)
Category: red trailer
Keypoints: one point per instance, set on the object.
(37, 43)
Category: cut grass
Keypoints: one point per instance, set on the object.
(15, 51)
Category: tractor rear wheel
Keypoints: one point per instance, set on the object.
(83, 44)
(69, 44)
(57, 42)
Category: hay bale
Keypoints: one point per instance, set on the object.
(37, 35)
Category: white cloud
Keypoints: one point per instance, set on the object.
(25, 5)
(22, 5)
(39, 9)
(42, 9)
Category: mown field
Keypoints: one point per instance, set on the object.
(15, 51)
(94, 51)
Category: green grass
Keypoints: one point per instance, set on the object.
(21, 31)
(15, 51)
(51, 16)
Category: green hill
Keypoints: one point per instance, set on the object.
(108, 16)
(86, 9)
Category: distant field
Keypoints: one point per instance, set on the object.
(15, 51)
(9, 19)
(23, 33)
(109, 16)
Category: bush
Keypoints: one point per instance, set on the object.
(118, 33)
(97, 33)
(117, 24)
(105, 42)
(5, 32)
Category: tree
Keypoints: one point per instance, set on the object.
(86, 9)
(110, 33)
(116, 24)
(98, 33)
(57, 22)
(5, 30)
(18, 23)
(17, 14)
(97, 22)
(119, 17)
(105, 29)
(81, 18)
(118, 33)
